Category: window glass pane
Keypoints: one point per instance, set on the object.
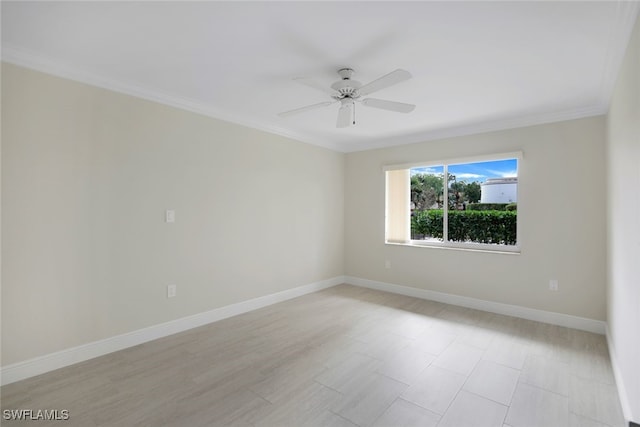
(427, 200)
(482, 202)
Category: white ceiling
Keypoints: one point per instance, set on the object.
(476, 65)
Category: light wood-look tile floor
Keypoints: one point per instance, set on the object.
(345, 356)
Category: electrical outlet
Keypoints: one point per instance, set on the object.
(171, 291)
(387, 264)
(553, 285)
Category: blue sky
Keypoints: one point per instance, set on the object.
(478, 172)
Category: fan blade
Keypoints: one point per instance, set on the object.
(345, 115)
(387, 80)
(315, 85)
(399, 107)
(307, 108)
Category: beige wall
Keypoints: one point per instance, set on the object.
(623, 153)
(561, 208)
(86, 177)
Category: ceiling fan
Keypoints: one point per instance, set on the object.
(348, 92)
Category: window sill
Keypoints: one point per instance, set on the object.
(466, 247)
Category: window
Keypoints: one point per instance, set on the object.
(469, 204)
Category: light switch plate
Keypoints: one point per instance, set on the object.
(170, 216)
(171, 291)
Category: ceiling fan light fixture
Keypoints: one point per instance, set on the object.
(346, 114)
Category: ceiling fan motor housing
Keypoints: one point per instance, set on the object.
(346, 87)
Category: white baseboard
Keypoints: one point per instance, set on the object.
(590, 325)
(39, 365)
(622, 391)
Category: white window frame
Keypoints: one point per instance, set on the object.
(446, 244)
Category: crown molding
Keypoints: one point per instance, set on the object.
(38, 62)
(627, 12)
(483, 127)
